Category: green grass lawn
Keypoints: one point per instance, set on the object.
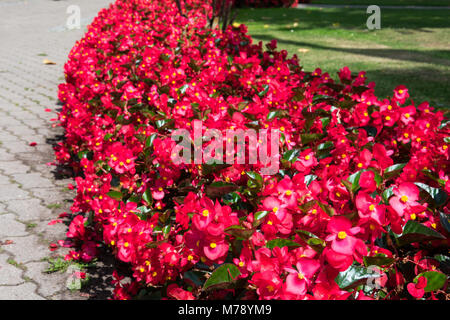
(387, 2)
(412, 48)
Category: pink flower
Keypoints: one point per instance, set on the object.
(298, 280)
(417, 290)
(341, 237)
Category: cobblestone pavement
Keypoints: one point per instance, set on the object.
(30, 193)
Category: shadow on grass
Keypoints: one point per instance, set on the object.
(425, 83)
(350, 19)
(394, 54)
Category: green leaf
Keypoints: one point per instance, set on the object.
(291, 155)
(155, 244)
(378, 260)
(115, 195)
(263, 93)
(83, 154)
(445, 221)
(147, 196)
(328, 210)
(354, 179)
(231, 198)
(354, 276)
(254, 176)
(255, 181)
(280, 242)
(417, 232)
(260, 215)
(371, 131)
(210, 168)
(393, 170)
(219, 188)
(439, 196)
(387, 194)
(309, 178)
(160, 124)
(166, 230)
(310, 137)
(150, 139)
(272, 114)
(239, 232)
(325, 145)
(435, 280)
(183, 88)
(312, 240)
(194, 277)
(223, 277)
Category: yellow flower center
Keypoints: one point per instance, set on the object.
(413, 216)
(205, 213)
(212, 245)
(126, 244)
(301, 276)
(288, 193)
(404, 198)
(307, 157)
(275, 209)
(342, 235)
(372, 207)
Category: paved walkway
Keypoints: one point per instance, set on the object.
(30, 195)
(357, 6)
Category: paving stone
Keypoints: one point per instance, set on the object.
(25, 291)
(9, 274)
(32, 180)
(27, 88)
(35, 271)
(27, 249)
(11, 167)
(12, 192)
(28, 209)
(52, 195)
(5, 179)
(10, 227)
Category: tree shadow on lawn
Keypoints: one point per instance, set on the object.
(350, 19)
(393, 54)
(425, 84)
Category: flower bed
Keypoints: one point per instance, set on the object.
(358, 210)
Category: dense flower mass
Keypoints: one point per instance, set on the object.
(358, 210)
